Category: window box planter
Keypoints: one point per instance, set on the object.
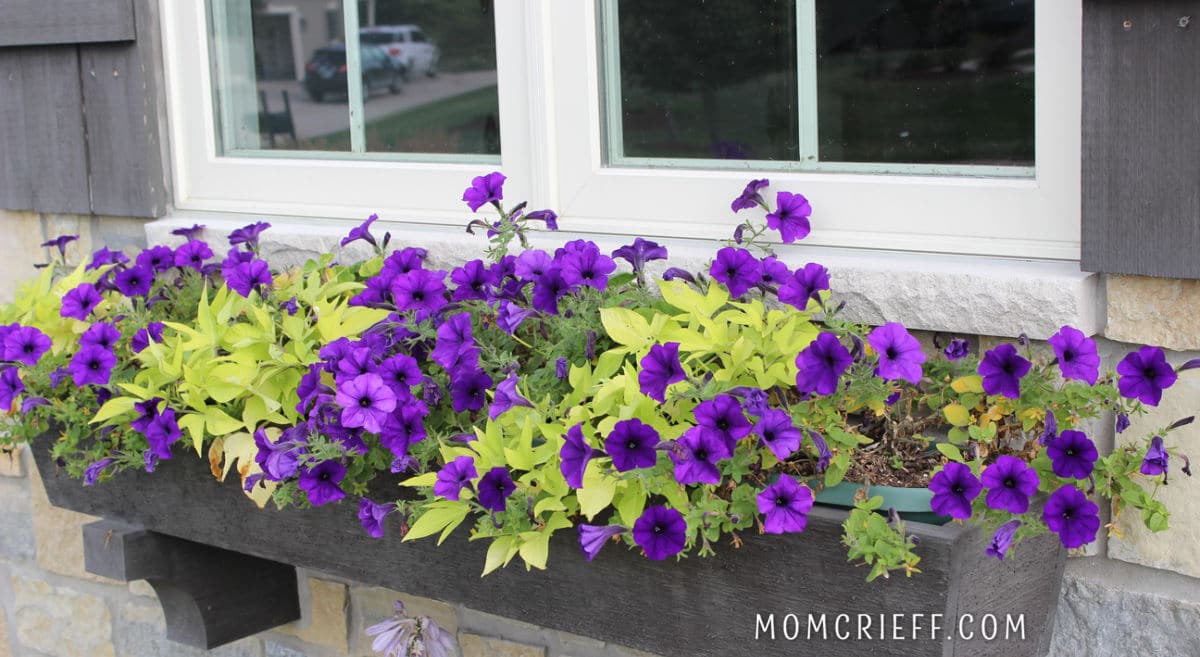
(720, 606)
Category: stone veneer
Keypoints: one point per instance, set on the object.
(1133, 595)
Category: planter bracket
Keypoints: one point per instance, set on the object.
(209, 596)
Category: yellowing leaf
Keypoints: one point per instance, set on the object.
(973, 383)
(957, 415)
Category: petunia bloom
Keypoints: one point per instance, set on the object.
(135, 281)
(737, 269)
(24, 344)
(455, 347)
(900, 354)
(156, 258)
(192, 255)
(958, 349)
(640, 252)
(484, 189)
(724, 416)
(751, 196)
(1077, 355)
(1002, 540)
(1070, 514)
(100, 334)
(1072, 454)
(805, 284)
(107, 257)
(660, 368)
(420, 290)
(790, 217)
(320, 482)
(468, 389)
(506, 397)
(661, 532)
(548, 289)
(92, 365)
(593, 537)
(954, 487)
(372, 515)
(60, 243)
(143, 337)
(1156, 459)
(1145, 373)
(454, 476)
(699, 451)
(81, 301)
(574, 455)
(785, 505)
(93, 471)
(494, 489)
(365, 401)
(631, 445)
(278, 460)
(821, 364)
(587, 266)
(472, 281)
(777, 432)
(1010, 483)
(10, 386)
(248, 235)
(362, 232)
(248, 276)
(1002, 369)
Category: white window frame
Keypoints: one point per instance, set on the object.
(551, 108)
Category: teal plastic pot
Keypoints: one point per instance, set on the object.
(911, 503)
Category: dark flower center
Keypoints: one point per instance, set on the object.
(1070, 451)
(418, 295)
(731, 272)
(324, 476)
(631, 444)
(781, 501)
(891, 353)
(658, 529)
(1010, 483)
(365, 402)
(1150, 374)
(1067, 514)
(702, 454)
(723, 424)
(93, 365)
(1068, 355)
(958, 489)
(28, 348)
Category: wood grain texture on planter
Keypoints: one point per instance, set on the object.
(703, 607)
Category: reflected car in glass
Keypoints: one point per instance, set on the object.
(407, 45)
(326, 72)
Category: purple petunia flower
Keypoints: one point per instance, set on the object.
(754, 400)
(156, 258)
(484, 189)
(142, 338)
(320, 482)
(92, 473)
(561, 368)
(405, 260)
(807, 283)
(548, 289)
(661, 532)
(1144, 375)
(404, 426)
(531, 264)
(631, 445)
(30, 403)
(785, 505)
(640, 252)
(401, 372)
(548, 217)
(506, 397)
(1156, 459)
(660, 368)
(147, 411)
(790, 217)
(277, 460)
(1072, 454)
(510, 316)
(1071, 515)
(60, 243)
(455, 347)
(723, 415)
(698, 452)
(420, 290)
(1002, 540)
(824, 456)
(472, 281)
(821, 364)
(10, 386)
(81, 301)
(957, 349)
(593, 537)
(91, 365)
(248, 235)
(468, 389)
(1122, 422)
(675, 272)
(192, 254)
(362, 232)
(454, 476)
(1010, 483)
(954, 487)
(366, 402)
(900, 354)
(135, 281)
(162, 432)
(774, 271)
(247, 276)
(777, 432)
(1049, 429)
(574, 456)
(100, 334)
(372, 515)
(737, 269)
(494, 488)
(751, 196)
(1077, 355)
(587, 266)
(106, 257)
(1002, 369)
(24, 344)
(189, 233)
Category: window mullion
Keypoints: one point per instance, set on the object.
(238, 101)
(806, 67)
(611, 75)
(354, 86)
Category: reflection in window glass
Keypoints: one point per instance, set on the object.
(892, 83)
(282, 74)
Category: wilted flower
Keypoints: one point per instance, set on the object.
(1002, 540)
(957, 349)
(401, 636)
(372, 515)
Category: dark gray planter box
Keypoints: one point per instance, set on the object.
(693, 608)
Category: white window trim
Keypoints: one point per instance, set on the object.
(550, 106)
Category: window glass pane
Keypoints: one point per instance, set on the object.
(716, 80)
(927, 81)
(912, 86)
(283, 78)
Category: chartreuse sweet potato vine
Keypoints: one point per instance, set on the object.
(533, 392)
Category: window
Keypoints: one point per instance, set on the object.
(912, 126)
